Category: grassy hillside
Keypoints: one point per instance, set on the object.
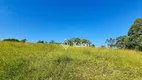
(27, 61)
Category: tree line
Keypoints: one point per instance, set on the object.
(14, 40)
(70, 42)
(133, 40)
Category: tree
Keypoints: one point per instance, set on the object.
(139, 40)
(133, 40)
(70, 42)
(136, 30)
(139, 43)
(135, 33)
(110, 42)
(76, 40)
(120, 42)
(102, 46)
(80, 42)
(85, 41)
(93, 45)
(40, 41)
(23, 40)
(46, 42)
(52, 42)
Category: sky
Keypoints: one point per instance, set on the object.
(57, 20)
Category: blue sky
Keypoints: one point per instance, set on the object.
(56, 20)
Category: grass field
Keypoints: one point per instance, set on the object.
(29, 61)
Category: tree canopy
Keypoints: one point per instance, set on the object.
(131, 41)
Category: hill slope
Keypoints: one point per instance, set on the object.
(27, 61)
